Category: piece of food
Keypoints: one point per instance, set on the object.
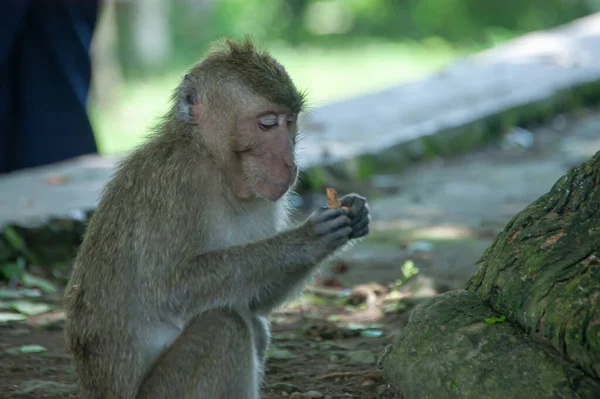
(332, 199)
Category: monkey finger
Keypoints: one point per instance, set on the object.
(330, 213)
(364, 214)
(343, 232)
(331, 225)
(360, 233)
(338, 238)
(355, 202)
(360, 225)
(362, 222)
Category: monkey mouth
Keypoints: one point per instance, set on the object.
(274, 184)
(271, 190)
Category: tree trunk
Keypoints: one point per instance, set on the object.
(543, 271)
(541, 278)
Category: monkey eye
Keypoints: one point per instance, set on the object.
(291, 119)
(267, 122)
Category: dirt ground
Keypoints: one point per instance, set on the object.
(323, 346)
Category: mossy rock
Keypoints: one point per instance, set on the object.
(448, 350)
(543, 270)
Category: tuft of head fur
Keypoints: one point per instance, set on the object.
(254, 68)
(230, 63)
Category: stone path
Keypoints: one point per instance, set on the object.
(446, 213)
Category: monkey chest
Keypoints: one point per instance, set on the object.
(228, 232)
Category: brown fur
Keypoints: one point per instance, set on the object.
(189, 249)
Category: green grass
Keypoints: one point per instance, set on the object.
(327, 75)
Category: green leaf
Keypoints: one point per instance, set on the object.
(333, 318)
(6, 317)
(29, 308)
(371, 333)
(12, 271)
(360, 326)
(5, 251)
(14, 239)
(32, 349)
(16, 242)
(281, 354)
(494, 320)
(6, 293)
(30, 280)
(313, 299)
(356, 326)
(409, 269)
(362, 357)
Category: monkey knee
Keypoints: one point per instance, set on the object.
(212, 358)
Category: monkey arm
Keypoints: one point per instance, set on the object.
(243, 274)
(280, 291)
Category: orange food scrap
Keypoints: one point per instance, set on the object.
(332, 199)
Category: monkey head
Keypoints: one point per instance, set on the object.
(242, 106)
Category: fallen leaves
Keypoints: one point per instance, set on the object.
(25, 349)
(494, 320)
(280, 354)
(26, 307)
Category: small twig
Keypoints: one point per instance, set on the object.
(371, 374)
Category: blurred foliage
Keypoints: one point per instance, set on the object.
(465, 23)
(334, 49)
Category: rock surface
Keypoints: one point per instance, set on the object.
(543, 270)
(541, 277)
(448, 350)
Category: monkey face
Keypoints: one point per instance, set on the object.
(265, 146)
(243, 105)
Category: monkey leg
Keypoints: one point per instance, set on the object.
(214, 358)
(262, 339)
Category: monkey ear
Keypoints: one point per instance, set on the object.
(188, 102)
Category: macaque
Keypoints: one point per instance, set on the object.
(190, 248)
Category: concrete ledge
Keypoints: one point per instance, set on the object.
(526, 80)
(463, 106)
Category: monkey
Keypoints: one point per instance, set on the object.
(191, 245)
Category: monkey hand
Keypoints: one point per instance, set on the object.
(328, 227)
(360, 217)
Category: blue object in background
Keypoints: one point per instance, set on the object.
(45, 74)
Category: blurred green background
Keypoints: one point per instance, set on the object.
(335, 49)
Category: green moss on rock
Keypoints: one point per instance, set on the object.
(447, 351)
(543, 270)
